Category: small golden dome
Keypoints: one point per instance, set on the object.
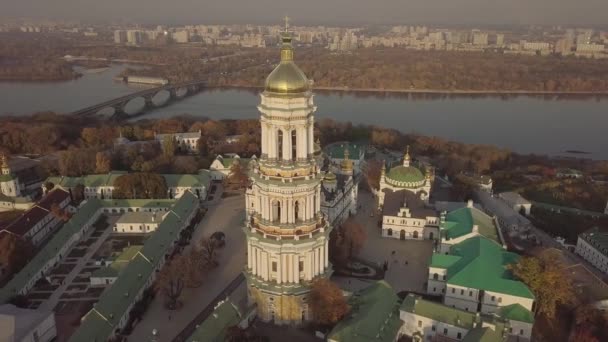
(330, 177)
(287, 78)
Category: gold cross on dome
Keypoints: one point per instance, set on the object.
(286, 23)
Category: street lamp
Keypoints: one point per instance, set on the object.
(154, 335)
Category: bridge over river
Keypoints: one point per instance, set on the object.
(176, 92)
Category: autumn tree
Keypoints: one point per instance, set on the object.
(171, 281)
(347, 241)
(208, 248)
(372, 172)
(545, 276)
(14, 252)
(327, 302)
(59, 213)
(140, 185)
(194, 265)
(169, 146)
(102, 163)
(238, 177)
(589, 324)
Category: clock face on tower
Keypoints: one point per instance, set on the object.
(287, 235)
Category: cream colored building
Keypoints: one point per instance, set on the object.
(141, 222)
(405, 216)
(9, 183)
(592, 245)
(287, 235)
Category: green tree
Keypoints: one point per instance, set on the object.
(169, 146)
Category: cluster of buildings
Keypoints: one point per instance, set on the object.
(19, 183)
(101, 186)
(578, 42)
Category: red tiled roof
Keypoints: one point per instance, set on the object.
(27, 221)
(55, 196)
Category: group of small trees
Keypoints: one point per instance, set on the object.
(140, 185)
(187, 270)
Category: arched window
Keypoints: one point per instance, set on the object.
(294, 151)
(415, 234)
(280, 144)
(276, 211)
(493, 298)
(435, 276)
(296, 210)
(390, 232)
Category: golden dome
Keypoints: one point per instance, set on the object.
(330, 177)
(287, 78)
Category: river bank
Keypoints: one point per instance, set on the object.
(472, 93)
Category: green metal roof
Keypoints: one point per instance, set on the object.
(119, 264)
(516, 312)
(336, 150)
(214, 328)
(186, 180)
(114, 301)
(374, 316)
(402, 173)
(461, 221)
(50, 250)
(91, 328)
(443, 260)
(483, 265)
(202, 178)
(138, 203)
(6, 178)
(438, 312)
(495, 333)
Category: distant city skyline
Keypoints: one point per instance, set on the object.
(318, 12)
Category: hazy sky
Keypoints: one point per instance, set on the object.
(593, 12)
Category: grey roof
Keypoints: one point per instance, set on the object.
(395, 200)
(18, 323)
(513, 197)
(597, 239)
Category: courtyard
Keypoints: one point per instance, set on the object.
(407, 260)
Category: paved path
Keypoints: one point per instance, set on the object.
(54, 299)
(417, 253)
(227, 216)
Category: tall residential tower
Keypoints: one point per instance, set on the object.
(287, 236)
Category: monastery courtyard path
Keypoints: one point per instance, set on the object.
(417, 253)
(226, 215)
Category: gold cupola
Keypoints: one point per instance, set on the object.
(347, 164)
(287, 78)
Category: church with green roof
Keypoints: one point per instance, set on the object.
(407, 176)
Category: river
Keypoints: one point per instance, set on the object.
(542, 125)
